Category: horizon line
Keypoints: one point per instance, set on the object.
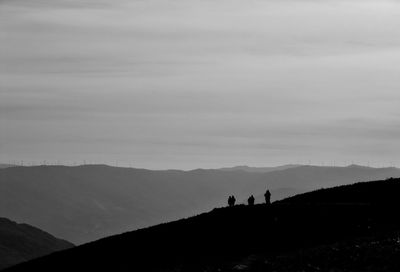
(227, 168)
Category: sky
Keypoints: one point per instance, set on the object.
(200, 83)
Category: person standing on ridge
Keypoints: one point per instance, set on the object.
(231, 201)
(267, 196)
(250, 201)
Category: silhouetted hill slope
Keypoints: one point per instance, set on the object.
(375, 192)
(378, 253)
(227, 238)
(84, 203)
(22, 242)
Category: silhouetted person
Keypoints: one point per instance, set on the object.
(250, 201)
(267, 196)
(231, 201)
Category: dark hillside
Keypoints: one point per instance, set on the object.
(21, 242)
(374, 192)
(219, 240)
(85, 203)
(377, 253)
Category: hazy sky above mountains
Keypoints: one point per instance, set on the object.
(200, 83)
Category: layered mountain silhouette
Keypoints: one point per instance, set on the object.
(85, 203)
(259, 169)
(3, 165)
(349, 228)
(22, 242)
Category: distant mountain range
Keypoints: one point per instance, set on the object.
(259, 169)
(2, 165)
(22, 242)
(85, 203)
(347, 228)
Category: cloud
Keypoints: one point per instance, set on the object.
(199, 81)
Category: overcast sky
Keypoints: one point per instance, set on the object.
(200, 83)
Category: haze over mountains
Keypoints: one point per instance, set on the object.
(84, 203)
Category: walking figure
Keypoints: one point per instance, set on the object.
(250, 201)
(267, 196)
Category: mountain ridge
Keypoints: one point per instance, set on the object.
(5, 165)
(98, 200)
(249, 238)
(21, 242)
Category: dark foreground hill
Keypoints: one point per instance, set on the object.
(354, 229)
(22, 242)
(85, 203)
